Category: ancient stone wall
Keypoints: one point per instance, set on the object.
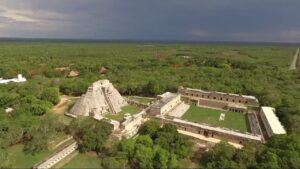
(218, 96)
(210, 131)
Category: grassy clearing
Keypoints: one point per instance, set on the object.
(19, 159)
(87, 160)
(187, 163)
(126, 109)
(233, 120)
(141, 99)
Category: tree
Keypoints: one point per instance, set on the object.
(5, 160)
(144, 140)
(142, 157)
(90, 134)
(173, 162)
(150, 127)
(153, 87)
(220, 156)
(37, 138)
(51, 95)
(114, 162)
(268, 160)
(39, 108)
(161, 158)
(127, 146)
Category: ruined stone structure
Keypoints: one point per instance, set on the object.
(166, 102)
(209, 131)
(270, 121)
(101, 98)
(131, 124)
(57, 157)
(220, 100)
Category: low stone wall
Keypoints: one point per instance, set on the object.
(135, 103)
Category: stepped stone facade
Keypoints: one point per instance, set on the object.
(101, 98)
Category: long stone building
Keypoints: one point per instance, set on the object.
(220, 100)
(101, 98)
(209, 131)
(270, 121)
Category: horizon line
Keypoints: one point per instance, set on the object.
(143, 40)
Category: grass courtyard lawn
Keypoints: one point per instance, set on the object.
(141, 99)
(233, 120)
(19, 159)
(126, 109)
(87, 160)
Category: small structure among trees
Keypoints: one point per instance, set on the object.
(19, 79)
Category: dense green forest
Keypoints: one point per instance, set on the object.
(144, 69)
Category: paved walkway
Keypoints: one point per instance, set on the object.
(207, 139)
(294, 61)
(179, 110)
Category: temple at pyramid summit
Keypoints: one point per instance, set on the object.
(101, 98)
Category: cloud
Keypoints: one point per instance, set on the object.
(255, 20)
(16, 16)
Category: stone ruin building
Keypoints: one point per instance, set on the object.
(220, 100)
(132, 123)
(169, 104)
(101, 98)
(271, 122)
(263, 121)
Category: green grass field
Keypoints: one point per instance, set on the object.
(88, 160)
(141, 99)
(233, 120)
(126, 109)
(19, 159)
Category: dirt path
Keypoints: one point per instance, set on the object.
(63, 104)
(57, 108)
(294, 61)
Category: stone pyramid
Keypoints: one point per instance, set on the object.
(101, 98)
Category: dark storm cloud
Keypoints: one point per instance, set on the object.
(246, 20)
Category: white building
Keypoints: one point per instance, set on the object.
(132, 123)
(19, 79)
(9, 110)
(271, 121)
(165, 104)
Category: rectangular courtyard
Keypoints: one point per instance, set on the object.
(232, 120)
(126, 109)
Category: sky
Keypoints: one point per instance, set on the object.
(184, 20)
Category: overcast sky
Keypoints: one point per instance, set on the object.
(199, 20)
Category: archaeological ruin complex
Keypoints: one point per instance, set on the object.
(263, 121)
(102, 98)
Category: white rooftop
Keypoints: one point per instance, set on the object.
(273, 120)
(19, 79)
